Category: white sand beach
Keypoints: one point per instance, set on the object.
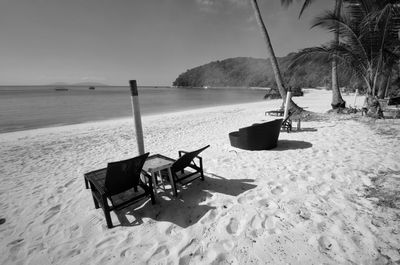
(328, 194)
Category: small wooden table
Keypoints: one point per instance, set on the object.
(154, 164)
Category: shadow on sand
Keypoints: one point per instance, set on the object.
(304, 130)
(186, 209)
(292, 145)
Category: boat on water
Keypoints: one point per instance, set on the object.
(61, 89)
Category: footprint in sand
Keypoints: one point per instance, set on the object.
(223, 259)
(268, 205)
(277, 190)
(112, 240)
(161, 252)
(210, 217)
(51, 213)
(15, 247)
(304, 213)
(322, 189)
(233, 226)
(68, 183)
(191, 252)
(126, 253)
(325, 244)
(228, 245)
(246, 198)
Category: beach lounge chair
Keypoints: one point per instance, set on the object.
(287, 123)
(278, 112)
(263, 136)
(187, 168)
(119, 183)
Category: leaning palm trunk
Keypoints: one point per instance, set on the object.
(337, 100)
(272, 57)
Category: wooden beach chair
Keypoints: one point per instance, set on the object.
(119, 183)
(287, 123)
(274, 112)
(187, 168)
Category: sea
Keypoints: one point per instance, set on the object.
(30, 107)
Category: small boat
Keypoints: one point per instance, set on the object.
(61, 89)
(92, 88)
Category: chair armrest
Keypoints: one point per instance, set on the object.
(181, 152)
(97, 187)
(91, 178)
(147, 175)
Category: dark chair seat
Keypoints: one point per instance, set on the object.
(120, 184)
(261, 136)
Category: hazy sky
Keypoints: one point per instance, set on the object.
(152, 41)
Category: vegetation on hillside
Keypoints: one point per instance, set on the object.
(253, 72)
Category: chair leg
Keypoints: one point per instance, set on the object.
(107, 213)
(173, 184)
(96, 203)
(86, 183)
(153, 200)
(108, 218)
(201, 170)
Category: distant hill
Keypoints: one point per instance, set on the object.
(253, 72)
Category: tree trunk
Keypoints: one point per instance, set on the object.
(384, 84)
(272, 57)
(337, 100)
(372, 107)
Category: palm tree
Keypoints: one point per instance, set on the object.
(383, 16)
(337, 100)
(368, 46)
(272, 57)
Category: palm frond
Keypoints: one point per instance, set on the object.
(306, 4)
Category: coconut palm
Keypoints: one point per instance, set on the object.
(337, 100)
(383, 18)
(271, 55)
(306, 3)
(368, 46)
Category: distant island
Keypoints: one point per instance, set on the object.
(253, 72)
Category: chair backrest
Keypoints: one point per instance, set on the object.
(185, 160)
(290, 113)
(124, 175)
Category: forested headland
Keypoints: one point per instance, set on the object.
(254, 72)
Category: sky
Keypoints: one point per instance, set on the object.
(151, 41)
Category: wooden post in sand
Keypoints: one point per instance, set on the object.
(355, 98)
(286, 112)
(136, 116)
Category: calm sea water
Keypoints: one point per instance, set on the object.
(26, 107)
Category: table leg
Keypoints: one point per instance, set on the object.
(153, 176)
(298, 125)
(171, 179)
(161, 179)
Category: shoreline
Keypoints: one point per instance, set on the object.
(269, 104)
